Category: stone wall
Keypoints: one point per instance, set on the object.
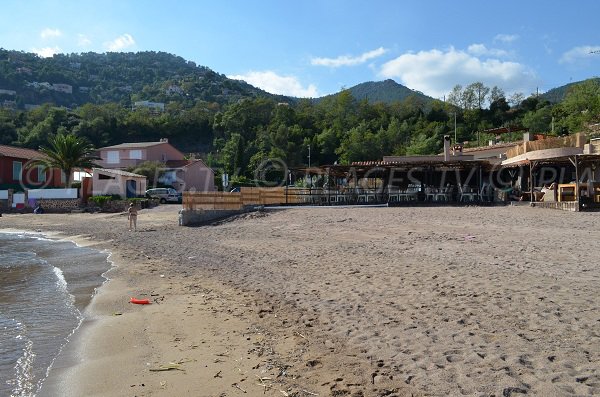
(59, 205)
(202, 217)
(49, 205)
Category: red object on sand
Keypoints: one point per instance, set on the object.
(139, 301)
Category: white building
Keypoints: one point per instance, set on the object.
(66, 88)
(153, 106)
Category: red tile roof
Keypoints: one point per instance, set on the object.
(184, 163)
(178, 163)
(20, 153)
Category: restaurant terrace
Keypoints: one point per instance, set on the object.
(561, 173)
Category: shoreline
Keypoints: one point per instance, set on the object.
(229, 343)
(78, 242)
(81, 299)
(403, 301)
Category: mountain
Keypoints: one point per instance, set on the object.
(386, 91)
(557, 94)
(72, 80)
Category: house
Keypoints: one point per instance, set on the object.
(15, 174)
(132, 154)
(178, 172)
(192, 175)
(108, 182)
(66, 88)
(154, 107)
(174, 90)
(31, 106)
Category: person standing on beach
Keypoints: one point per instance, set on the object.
(132, 216)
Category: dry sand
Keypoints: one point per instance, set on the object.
(339, 302)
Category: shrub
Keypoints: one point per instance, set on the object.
(100, 201)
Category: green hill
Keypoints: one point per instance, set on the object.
(557, 94)
(72, 80)
(387, 91)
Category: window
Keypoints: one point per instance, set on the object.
(41, 173)
(17, 171)
(112, 157)
(135, 154)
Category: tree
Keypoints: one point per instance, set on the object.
(480, 93)
(581, 105)
(516, 98)
(496, 94)
(67, 152)
(151, 170)
(539, 120)
(469, 97)
(454, 98)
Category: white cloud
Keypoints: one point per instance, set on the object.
(49, 33)
(347, 60)
(46, 52)
(435, 72)
(83, 40)
(579, 53)
(481, 50)
(506, 38)
(120, 43)
(276, 84)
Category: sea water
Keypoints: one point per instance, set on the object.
(44, 287)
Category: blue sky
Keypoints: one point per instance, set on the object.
(313, 48)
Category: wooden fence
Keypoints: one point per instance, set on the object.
(577, 140)
(246, 196)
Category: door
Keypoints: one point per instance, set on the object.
(131, 186)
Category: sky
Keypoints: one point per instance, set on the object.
(311, 48)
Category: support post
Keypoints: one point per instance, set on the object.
(328, 188)
(577, 192)
(531, 165)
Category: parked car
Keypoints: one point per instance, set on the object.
(165, 195)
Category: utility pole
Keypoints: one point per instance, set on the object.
(455, 142)
(309, 168)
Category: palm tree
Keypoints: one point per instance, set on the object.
(67, 152)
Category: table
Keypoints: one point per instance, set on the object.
(567, 192)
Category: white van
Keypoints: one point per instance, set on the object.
(165, 195)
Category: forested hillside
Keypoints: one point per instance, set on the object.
(387, 91)
(73, 80)
(557, 94)
(236, 136)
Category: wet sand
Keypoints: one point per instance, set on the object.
(329, 301)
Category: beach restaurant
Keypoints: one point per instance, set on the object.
(557, 173)
(568, 165)
(451, 177)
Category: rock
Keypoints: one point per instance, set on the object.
(507, 392)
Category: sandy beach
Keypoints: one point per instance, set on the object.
(468, 301)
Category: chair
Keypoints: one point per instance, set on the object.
(371, 198)
(430, 193)
(467, 194)
(393, 194)
(443, 195)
